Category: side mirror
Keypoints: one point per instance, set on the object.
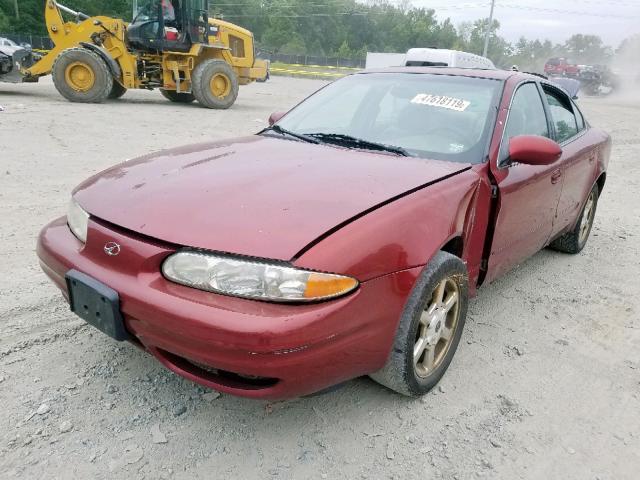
(275, 116)
(26, 46)
(533, 150)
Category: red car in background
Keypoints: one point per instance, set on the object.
(562, 67)
(343, 240)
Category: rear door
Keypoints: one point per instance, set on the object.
(578, 161)
(527, 194)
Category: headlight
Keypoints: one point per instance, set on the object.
(253, 279)
(78, 220)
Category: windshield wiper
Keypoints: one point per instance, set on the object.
(283, 131)
(349, 141)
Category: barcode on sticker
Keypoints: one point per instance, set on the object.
(441, 101)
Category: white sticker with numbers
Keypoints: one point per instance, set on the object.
(441, 101)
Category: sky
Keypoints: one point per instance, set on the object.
(556, 20)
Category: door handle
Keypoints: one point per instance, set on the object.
(556, 175)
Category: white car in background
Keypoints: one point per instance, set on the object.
(12, 58)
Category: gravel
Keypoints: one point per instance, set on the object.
(156, 435)
(65, 427)
(499, 415)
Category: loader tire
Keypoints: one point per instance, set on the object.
(117, 91)
(176, 97)
(80, 75)
(263, 79)
(215, 84)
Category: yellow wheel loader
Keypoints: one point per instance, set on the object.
(171, 45)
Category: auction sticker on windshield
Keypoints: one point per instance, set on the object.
(441, 101)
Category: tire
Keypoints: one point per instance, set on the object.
(401, 373)
(202, 81)
(575, 240)
(117, 91)
(80, 75)
(176, 97)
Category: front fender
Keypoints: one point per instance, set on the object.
(399, 235)
(114, 68)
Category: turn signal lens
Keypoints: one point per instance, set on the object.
(320, 285)
(253, 279)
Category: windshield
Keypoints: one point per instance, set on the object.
(8, 43)
(441, 117)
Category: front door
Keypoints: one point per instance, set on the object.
(527, 194)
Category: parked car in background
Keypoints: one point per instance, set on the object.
(561, 66)
(343, 240)
(13, 57)
(598, 80)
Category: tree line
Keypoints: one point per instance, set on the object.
(341, 28)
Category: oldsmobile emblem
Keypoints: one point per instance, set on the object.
(112, 249)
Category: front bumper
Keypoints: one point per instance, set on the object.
(244, 347)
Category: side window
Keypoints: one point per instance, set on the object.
(562, 115)
(526, 117)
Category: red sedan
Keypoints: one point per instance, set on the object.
(343, 240)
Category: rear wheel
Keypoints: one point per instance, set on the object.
(176, 97)
(263, 79)
(575, 240)
(430, 328)
(215, 84)
(80, 75)
(117, 91)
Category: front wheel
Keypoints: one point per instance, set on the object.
(215, 84)
(430, 328)
(117, 91)
(80, 75)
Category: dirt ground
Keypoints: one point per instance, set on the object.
(545, 384)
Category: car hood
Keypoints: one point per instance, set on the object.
(259, 196)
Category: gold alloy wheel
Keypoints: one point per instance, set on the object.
(436, 328)
(80, 76)
(220, 85)
(587, 217)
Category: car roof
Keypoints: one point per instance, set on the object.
(493, 74)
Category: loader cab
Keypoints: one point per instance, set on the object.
(169, 26)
